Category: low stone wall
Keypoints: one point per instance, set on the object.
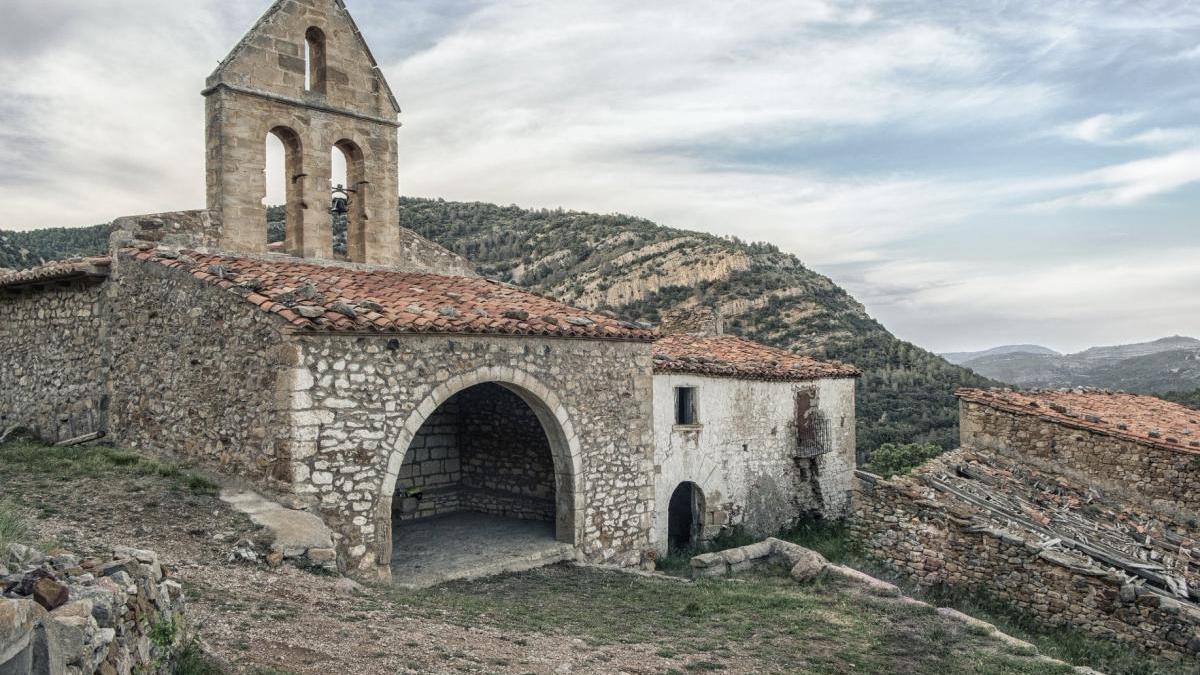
(60, 614)
(1136, 470)
(52, 367)
(930, 541)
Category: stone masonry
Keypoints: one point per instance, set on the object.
(932, 539)
(201, 376)
(1138, 467)
(352, 429)
(260, 89)
(53, 367)
(63, 615)
(396, 384)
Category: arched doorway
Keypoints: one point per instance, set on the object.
(685, 517)
(481, 484)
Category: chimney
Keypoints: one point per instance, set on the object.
(699, 320)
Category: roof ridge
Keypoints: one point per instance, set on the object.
(326, 298)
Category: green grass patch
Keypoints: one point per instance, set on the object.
(193, 661)
(95, 462)
(714, 625)
(13, 528)
(829, 538)
(1068, 644)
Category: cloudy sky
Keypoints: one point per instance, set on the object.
(977, 172)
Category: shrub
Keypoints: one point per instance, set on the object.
(891, 459)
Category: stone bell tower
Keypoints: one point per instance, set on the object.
(304, 74)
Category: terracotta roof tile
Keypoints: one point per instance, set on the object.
(59, 271)
(729, 356)
(1144, 419)
(390, 301)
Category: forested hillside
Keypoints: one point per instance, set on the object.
(19, 250)
(1189, 398)
(639, 270)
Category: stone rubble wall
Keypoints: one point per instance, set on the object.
(52, 367)
(1135, 470)
(358, 401)
(61, 615)
(197, 230)
(484, 450)
(432, 466)
(918, 535)
(199, 373)
(507, 458)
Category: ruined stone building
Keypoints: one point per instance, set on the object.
(392, 390)
(1078, 506)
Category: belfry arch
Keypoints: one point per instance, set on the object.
(358, 189)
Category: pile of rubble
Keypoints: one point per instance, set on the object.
(1044, 539)
(62, 614)
(1155, 550)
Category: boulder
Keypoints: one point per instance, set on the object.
(18, 618)
(808, 566)
(50, 593)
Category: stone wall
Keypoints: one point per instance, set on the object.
(432, 468)
(60, 614)
(53, 367)
(484, 450)
(507, 460)
(358, 401)
(176, 229)
(743, 454)
(1136, 470)
(929, 541)
(197, 373)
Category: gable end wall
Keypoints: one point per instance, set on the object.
(52, 365)
(1135, 470)
(200, 374)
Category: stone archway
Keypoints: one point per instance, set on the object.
(685, 517)
(555, 424)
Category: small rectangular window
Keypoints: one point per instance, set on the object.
(685, 406)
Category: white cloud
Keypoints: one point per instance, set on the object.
(1126, 184)
(1138, 294)
(1098, 128)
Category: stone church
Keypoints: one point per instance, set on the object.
(390, 390)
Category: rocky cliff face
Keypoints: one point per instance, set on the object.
(641, 270)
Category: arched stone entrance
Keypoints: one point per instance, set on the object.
(487, 456)
(685, 517)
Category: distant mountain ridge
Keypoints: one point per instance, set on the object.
(640, 270)
(960, 358)
(1164, 365)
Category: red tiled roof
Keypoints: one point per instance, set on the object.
(729, 356)
(61, 270)
(323, 297)
(1144, 419)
